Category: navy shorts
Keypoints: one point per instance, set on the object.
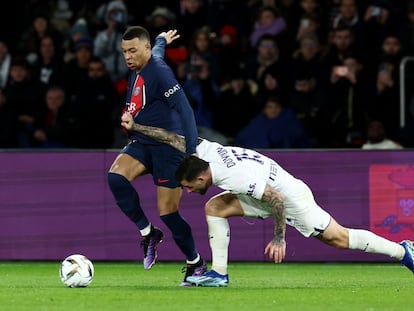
(161, 161)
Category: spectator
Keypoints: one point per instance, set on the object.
(203, 93)
(177, 58)
(255, 6)
(61, 14)
(235, 96)
(193, 16)
(79, 30)
(309, 23)
(233, 12)
(275, 127)
(341, 46)
(316, 12)
(97, 100)
(344, 114)
(348, 15)
(76, 69)
(290, 11)
(380, 19)
(201, 47)
(230, 52)
(407, 29)
(377, 138)
(333, 9)
(49, 65)
(5, 60)
(268, 22)
(307, 92)
(358, 30)
(54, 124)
(265, 55)
(25, 95)
(274, 82)
(161, 19)
(386, 96)
(107, 42)
(40, 27)
(8, 135)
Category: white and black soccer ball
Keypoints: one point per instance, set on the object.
(76, 271)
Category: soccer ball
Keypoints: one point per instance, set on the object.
(76, 271)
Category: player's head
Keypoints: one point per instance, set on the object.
(193, 173)
(136, 47)
(136, 32)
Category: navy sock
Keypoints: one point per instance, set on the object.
(127, 199)
(182, 234)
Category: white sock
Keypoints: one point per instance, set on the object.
(369, 242)
(197, 259)
(146, 230)
(219, 237)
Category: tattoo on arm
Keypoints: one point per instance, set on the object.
(162, 135)
(275, 201)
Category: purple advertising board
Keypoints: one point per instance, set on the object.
(55, 203)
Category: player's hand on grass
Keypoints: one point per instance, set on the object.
(276, 251)
(170, 35)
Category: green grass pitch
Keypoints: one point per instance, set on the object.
(122, 286)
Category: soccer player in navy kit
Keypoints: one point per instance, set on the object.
(154, 97)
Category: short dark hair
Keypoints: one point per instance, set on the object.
(190, 168)
(136, 32)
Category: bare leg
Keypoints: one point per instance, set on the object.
(359, 239)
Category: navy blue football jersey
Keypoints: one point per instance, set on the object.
(155, 98)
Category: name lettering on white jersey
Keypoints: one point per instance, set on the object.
(172, 90)
(225, 157)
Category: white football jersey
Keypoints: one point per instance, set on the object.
(245, 171)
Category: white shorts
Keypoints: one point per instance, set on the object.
(302, 212)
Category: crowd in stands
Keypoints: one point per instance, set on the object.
(258, 73)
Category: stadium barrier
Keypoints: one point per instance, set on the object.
(54, 203)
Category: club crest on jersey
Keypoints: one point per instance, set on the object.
(137, 90)
(172, 90)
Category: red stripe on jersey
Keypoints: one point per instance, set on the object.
(137, 96)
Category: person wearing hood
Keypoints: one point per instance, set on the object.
(107, 43)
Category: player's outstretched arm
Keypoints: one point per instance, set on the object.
(159, 134)
(162, 40)
(169, 35)
(276, 249)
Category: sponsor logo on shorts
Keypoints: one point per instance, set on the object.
(162, 181)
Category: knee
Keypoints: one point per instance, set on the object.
(115, 180)
(166, 208)
(167, 204)
(210, 208)
(338, 238)
(339, 243)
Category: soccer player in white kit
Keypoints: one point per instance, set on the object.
(256, 186)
